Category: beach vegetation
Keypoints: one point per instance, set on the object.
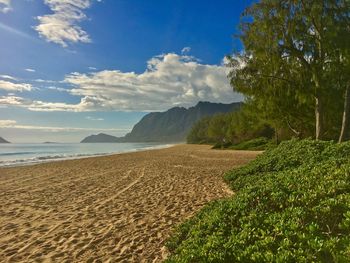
(294, 73)
(230, 129)
(291, 204)
(295, 64)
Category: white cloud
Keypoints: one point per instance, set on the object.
(185, 50)
(12, 124)
(37, 105)
(8, 77)
(94, 119)
(45, 81)
(170, 80)
(61, 27)
(11, 86)
(92, 68)
(5, 6)
(12, 100)
(57, 89)
(29, 70)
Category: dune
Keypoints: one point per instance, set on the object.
(118, 208)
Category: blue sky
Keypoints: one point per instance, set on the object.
(70, 68)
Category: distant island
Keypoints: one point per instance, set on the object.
(100, 138)
(172, 125)
(2, 140)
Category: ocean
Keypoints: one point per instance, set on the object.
(23, 154)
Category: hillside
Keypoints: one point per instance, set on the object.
(170, 126)
(100, 138)
(173, 125)
(2, 140)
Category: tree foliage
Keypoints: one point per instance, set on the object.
(230, 128)
(295, 63)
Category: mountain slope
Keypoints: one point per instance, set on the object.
(174, 124)
(2, 140)
(170, 126)
(100, 138)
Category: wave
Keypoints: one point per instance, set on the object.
(39, 159)
(16, 153)
(58, 157)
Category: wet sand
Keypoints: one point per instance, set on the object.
(118, 208)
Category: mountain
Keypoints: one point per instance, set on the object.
(173, 125)
(2, 140)
(100, 138)
(170, 126)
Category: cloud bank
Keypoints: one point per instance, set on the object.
(62, 26)
(11, 86)
(169, 80)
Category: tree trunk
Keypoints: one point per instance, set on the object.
(319, 118)
(297, 133)
(277, 140)
(318, 108)
(345, 128)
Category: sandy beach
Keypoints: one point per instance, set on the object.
(118, 208)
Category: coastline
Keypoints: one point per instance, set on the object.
(120, 207)
(56, 158)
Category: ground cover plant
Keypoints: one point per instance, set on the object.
(291, 204)
(258, 144)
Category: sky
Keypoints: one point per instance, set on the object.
(71, 68)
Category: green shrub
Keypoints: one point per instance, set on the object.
(292, 204)
(222, 145)
(258, 144)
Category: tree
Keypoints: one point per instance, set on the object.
(290, 48)
(199, 132)
(217, 128)
(343, 59)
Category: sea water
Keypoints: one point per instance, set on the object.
(23, 154)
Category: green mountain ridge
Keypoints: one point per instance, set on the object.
(172, 125)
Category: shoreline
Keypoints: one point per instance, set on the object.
(121, 207)
(48, 159)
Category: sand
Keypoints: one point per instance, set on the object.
(118, 208)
